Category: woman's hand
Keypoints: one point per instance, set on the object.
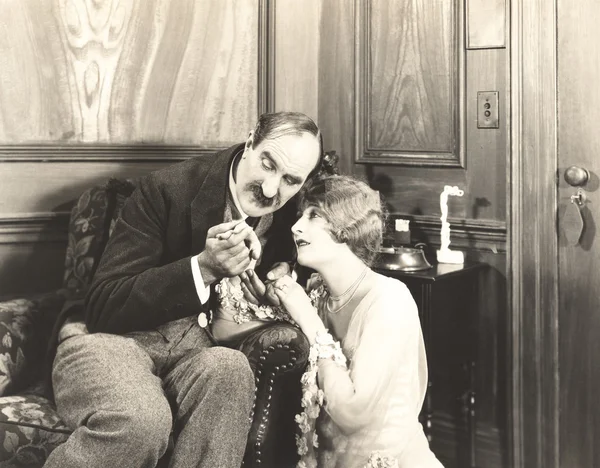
(257, 292)
(297, 303)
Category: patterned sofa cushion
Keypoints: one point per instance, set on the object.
(91, 222)
(30, 430)
(87, 222)
(16, 325)
(25, 326)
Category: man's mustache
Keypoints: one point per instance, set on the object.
(259, 196)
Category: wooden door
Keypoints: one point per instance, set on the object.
(578, 125)
(554, 284)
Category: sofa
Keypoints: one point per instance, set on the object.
(30, 427)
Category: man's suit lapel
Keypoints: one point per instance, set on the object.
(208, 205)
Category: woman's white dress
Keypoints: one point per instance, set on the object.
(372, 407)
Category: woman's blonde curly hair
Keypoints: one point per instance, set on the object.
(354, 211)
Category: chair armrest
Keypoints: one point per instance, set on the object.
(25, 326)
(278, 355)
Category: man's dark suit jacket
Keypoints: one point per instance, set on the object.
(144, 278)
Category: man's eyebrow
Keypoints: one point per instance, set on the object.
(267, 155)
(293, 178)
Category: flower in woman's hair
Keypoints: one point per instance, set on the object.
(315, 440)
(329, 164)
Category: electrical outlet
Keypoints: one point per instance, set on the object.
(487, 109)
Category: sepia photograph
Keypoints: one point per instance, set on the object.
(299, 233)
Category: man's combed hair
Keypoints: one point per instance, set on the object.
(354, 211)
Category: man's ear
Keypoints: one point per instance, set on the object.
(250, 140)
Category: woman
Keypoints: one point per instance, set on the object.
(353, 314)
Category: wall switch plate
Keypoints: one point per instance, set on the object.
(487, 109)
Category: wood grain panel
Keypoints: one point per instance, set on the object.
(102, 152)
(486, 23)
(493, 376)
(487, 148)
(578, 69)
(449, 440)
(31, 228)
(297, 56)
(417, 191)
(336, 80)
(472, 235)
(401, 88)
(51, 187)
(136, 71)
(533, 263)
(410, 84)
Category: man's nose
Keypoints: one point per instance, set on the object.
(270, 186)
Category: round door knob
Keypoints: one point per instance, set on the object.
(577, 176)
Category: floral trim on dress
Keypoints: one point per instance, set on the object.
(377, 460)
(325, 347)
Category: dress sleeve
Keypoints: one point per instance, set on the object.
(389, 353)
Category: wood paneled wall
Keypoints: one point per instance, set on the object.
(408, 71)
(296, 44)
(86, 87)
(138, 71)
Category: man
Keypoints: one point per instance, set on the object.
(147, 367)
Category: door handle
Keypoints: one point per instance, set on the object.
(577, 176)
(579, 197)
(573, 223)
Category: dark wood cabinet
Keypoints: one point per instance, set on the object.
(446, 297)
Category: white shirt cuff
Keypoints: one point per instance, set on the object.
(202, 291)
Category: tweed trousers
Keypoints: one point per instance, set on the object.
(124, 396)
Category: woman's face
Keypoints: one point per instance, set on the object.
(313, 239)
